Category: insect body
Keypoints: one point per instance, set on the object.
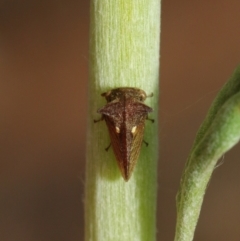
(125, 115)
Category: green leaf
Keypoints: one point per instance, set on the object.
(219, 132)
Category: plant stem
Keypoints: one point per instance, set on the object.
(219, 132)
(124, 52)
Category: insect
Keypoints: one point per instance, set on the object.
(125, 115)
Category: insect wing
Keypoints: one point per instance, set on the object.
(137, 124)
(126, 129)
(136, 144)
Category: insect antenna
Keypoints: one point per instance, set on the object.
(150, 95)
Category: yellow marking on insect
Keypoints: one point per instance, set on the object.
(117, 129)
(134, 129)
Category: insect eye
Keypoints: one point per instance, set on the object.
(142, 97)
(110, 98)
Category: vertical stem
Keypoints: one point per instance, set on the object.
(124, 51)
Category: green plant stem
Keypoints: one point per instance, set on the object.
(219, 132)
(124, 52)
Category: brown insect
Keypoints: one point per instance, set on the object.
(125, 115)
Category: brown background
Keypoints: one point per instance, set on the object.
(43, 85)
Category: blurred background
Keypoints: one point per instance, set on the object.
(43, 86)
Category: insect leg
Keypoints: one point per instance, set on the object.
(152, 120)
(107, 148)
(145, 143)
(95, 121)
